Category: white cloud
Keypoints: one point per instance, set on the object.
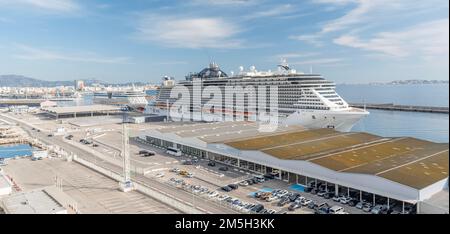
(188, 32)
(313, 39)
(319, 61)
(377, 12)
(31, 53)
(297, 55)
(425, 39)
(271, 12)
(225, 2)
(51, 5)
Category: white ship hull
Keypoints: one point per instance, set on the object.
(340, 120)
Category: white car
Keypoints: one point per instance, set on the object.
(213, 194)
(336, 210)
(336, 198)
(190, 175)
(159, 175)
(243, 183)
(176, 170)
(305, 202)
(222, 197)
(271, 198)
(345, 200)
(282, 193)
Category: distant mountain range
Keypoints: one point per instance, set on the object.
(23, 81)
(403, 82)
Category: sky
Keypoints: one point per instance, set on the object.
(347, 41)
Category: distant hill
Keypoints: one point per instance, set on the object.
(23, 81)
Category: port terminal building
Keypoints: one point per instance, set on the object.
(78, 111)
(400, 170)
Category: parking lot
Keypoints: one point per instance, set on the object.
(207, 182)
(93, 192)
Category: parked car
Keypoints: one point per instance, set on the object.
(159, 175)
(226, 188)
(321, 193)
(176, 170)
(322, 210)
(283, 202)
(243, 183)
(314, 191)
(213, 194)
(271, 198)
(307, 189)
(294, 197)
(269, 176)
(257, 208)
(233, 186)
(328, 195)
(223, 168)
(259, 179)
(250, 182)
(345, 200)
(211, 164)
(306, 202)
(359, 205)
(312, 205)
(336, 198)
(367, 207)
(187, 163)
(352, 202)
(378, 209)
(195, 160)
(294, 206)
(336, 210)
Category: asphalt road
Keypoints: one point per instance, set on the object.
(198, 202)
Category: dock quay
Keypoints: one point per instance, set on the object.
(394, 107)
(30, 102)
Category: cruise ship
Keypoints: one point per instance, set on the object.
(133, 99)
(303, 99)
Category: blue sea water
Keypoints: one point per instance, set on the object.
(12, 151)
(426, 126)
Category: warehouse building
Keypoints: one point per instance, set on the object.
(380, 169)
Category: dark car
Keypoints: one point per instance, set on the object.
(312, 205)
(94, 145)
(50, 135)
(250, 182)
(226, 188)
(211, 164)
(328, 195)
(141, 151)
(258, 208)
(187, 163)
(223, 168)
(283, 201)
(233, 186)
(269, 176)
(353, 202)
(195, 160)
(322, 210)
(314, 191)
(294, 197)
(149, 153)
